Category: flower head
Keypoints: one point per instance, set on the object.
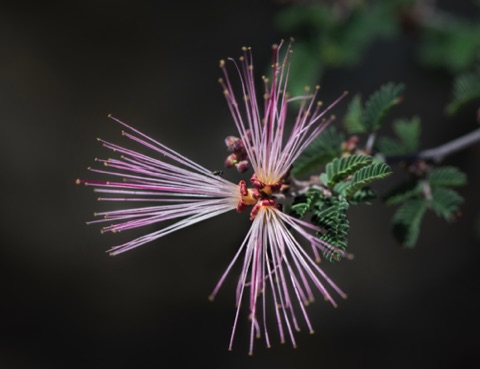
(276, 266)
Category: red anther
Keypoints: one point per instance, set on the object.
(241, 206)
(267, 202)
(279, 207)
(243, 188)
(275, 187)
(255, 210)
(258, 205)
(259, 185)
(254, 193)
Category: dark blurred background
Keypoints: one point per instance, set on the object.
(64, 303)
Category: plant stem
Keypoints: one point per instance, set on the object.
(437, 154)
(370, 141)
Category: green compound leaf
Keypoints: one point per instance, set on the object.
(447, 176)
(323, 149)
(389, 146)
(406, 221)
(331, 216)
(408, 138)
(466, 88)
(403, 192)
(445, 203)
(340, 168)
(379, 103)
(453, 46)
(408, 131)
(364, 195)
(313, 15)
(362, 177)
(306, 202)
(353, 118)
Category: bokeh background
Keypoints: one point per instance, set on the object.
(64, 303)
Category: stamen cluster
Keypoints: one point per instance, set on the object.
(259, 196)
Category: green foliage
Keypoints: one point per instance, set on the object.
(445, 203)
(329, 213)
(305, 203)
(337, 34)
(327, 37)
(345, 183)
(388, 146)
(415, 197)
(330, 34)
(466, 88)
(403, 192)
(364, 195)
(353, 118)
(368, 118)
(340, 168)
(408, 138)
(408, 132)
(407, 220)
(362, 177)
(331, 217)
(379, 103)
(452, 44)
(323, 149)
(446, 176)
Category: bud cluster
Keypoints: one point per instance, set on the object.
(238, 158)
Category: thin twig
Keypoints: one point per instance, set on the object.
(437, 154)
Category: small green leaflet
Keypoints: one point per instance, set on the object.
(379, 104)
(447, 176)
(361, 168)
(353, 118)
(369, 118)
(430, 192)
(332, 217)
(340, 168)
(406, 221)
(364, 176)
(466, 88)
(408, 138)
(445, 203)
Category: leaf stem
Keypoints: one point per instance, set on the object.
(370, 141)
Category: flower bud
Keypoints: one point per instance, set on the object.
(231, 161)
(233, 143)
(243, 166)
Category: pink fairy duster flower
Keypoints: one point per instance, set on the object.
(275, 265)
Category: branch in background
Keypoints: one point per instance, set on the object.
(439, 153)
